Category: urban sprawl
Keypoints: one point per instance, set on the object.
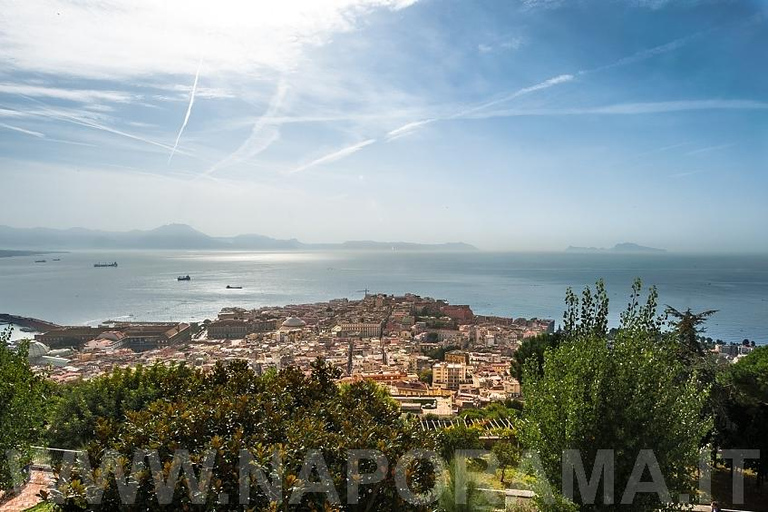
(435, 358)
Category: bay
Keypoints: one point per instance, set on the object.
(144, 286)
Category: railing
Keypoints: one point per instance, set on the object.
(485, 424)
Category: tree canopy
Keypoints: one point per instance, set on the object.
(746, 384)
(627, 394)
(22, 399)
(77, 407)
(286, 413)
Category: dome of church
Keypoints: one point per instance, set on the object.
(294, 322)
(37, 349)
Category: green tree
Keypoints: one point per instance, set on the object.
(79, 406)
(689, 327)
(533, 348)
(746, 382)
(22, 402)
(627, 394)
(509, 410)
(457, 437)
(507, 451)
(288, 413)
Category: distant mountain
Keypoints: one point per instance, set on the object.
(182, 236)
(625, 248)
(11, 254)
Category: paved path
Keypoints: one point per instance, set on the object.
(29, 496)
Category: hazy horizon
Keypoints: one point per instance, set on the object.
(529, 125)
(509, 249)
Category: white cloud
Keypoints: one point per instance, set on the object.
(76, 119)
(407, 129)
(631, 108)
(22, 130)
(118, 39)
(546, 84)
(263, 134)
(77, 95)
(709, 149)
(503, 44)
(336, 155)
(189, 110)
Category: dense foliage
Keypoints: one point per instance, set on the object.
(533, 348)
(746, 383)
(77, 407)
(458, 437)
(288, 413)
(22, 399)
(627, 394)
(508, 410)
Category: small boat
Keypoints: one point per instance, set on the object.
(39, 261)
(230, 287)
(56, 259)
(184, 278)
(102, 265)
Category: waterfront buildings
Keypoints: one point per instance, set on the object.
(395, 341)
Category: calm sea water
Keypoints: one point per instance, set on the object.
(144, 286)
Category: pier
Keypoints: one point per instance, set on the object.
(29, 322)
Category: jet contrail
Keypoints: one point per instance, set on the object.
(22, 130)
(332, 157)
(189, 110)
(263, 134)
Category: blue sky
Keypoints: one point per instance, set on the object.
(519, 124)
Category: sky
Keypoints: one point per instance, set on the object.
(507, 124)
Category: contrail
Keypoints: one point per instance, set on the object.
(263, 134)
(409, 128)
(63, 116)
(336, 155)
(189, 110)
(546, 84)
(22, 130)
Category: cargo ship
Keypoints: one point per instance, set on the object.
(184, 278)
(101, 265)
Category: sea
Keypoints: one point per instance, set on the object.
(144, 286)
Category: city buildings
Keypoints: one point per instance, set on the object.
(434, 358)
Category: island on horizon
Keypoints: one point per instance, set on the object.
(622, 248)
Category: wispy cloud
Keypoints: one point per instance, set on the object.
(407, 128)
(542, 4)
(709, 149)
(546, 84)
(646, 53)
(686, 174)
(263, 134)
(134, 42)
(59, 93)
(43, 137)
(60, 115)
(476, 112)
(501, 44)
(631, 108)
(189, 110)
(411, 127)
(22, 130)
(332, 157)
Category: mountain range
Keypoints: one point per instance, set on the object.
(182, 236)
(623, 248)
